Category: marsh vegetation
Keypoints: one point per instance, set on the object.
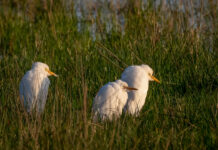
(179, 43)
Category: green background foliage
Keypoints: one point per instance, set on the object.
(179, 113)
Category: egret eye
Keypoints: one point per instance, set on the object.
(51, 73)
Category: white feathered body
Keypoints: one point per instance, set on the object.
(136, 76)
(110, 101)
(33, 90)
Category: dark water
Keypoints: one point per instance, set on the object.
(111, 16)
(112, 13)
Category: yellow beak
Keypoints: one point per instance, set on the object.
(129, 88)
(155, 79)
(51, 73)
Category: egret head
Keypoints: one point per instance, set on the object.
(43, 68)
(149, 72)
(125, 85)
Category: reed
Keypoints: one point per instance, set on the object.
(180, 113)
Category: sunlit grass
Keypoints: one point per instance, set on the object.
(179, 113)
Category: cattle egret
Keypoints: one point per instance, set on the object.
(138, 77)
(34, 87)
(110, 100)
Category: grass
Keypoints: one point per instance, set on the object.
(179, 113)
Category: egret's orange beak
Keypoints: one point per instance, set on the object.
(129, 88)
(155, 79)
(51, 73)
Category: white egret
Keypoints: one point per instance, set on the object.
(138, 77)
(34, 87)
(110, 100)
